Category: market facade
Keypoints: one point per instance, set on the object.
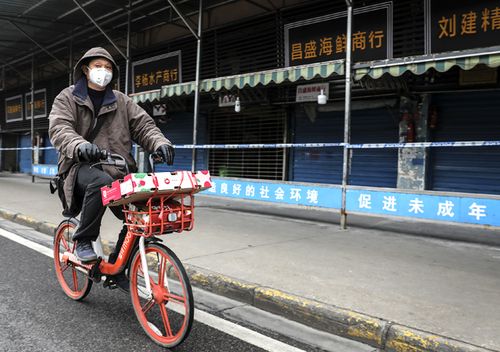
(424, 132)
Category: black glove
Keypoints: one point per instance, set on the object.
(167, 153)
(89, 152)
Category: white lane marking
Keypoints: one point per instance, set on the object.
(27, 243)
(240, 332)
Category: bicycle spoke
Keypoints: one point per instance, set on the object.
(147, 307)
(166, 322)
(64, 268)
(150, 278)
(75, 280)
(161, 274)
(174, 298)
(64, 243)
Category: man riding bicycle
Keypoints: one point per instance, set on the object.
(87, 118)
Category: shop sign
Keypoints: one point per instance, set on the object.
(157, 71)
(14, 108)
(461, 25)
(159, 110)
(227, 99)
(324, 38)
(310, 92)
(40, 103)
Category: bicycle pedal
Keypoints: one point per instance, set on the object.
(108, 283)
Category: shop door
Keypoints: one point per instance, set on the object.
(9, 157)
(466, 117)
(253, 125)
(370, 167)
(24, 155)
(49, 155)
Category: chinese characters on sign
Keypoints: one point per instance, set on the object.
(324, 38)
(155, 72)
(483, 211)
(40, 104)
(310, 92)
(463, 25)
(466, 210)
(275, 192)
(14, 108)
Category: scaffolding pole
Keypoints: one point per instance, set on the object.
(347, 118)
(32, 105)
(70, 61)
(197, 86)
(127, 62)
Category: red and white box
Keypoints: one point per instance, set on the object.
(177, 180)
(112, 193)
(139, 185)
(139, 182)
(203, 179)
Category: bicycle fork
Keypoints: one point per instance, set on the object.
(142, 253)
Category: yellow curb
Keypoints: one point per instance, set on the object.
(337, 321)
(402, 339)
(7, 214)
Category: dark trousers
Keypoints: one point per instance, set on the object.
(88, 191)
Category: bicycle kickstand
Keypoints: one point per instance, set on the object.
(95, 273)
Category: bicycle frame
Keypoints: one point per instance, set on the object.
(159, 214)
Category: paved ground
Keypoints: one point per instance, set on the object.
(44, 319)
(448, 288)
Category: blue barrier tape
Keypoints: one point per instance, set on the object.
(321, 145)
(26, 148)
(424, 145)
(260, 146)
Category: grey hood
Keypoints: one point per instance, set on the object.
(90, 54)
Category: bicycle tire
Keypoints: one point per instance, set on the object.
(63, 242)
(178, 313)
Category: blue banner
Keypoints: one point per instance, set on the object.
(470, 210)
(44, 170)
(311, 195)
(483, 211)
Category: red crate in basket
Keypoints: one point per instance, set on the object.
(160, 215)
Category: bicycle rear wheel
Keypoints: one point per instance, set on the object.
(75, 283)
(167, 316)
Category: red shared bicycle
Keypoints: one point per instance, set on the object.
(160, 291)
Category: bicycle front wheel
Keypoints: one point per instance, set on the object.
(75, 283)
(167, 315)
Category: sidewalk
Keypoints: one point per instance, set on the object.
(443, 287)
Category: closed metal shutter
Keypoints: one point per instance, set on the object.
(24, 156)
(370, 167)
(466, 117)
(252, 125)
(49, 155)
(374, 167)
(318, 165)
(179, 130)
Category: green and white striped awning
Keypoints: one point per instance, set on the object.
(420, 65)
(292, 74)
(146, 96)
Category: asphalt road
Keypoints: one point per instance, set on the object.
(37, 315)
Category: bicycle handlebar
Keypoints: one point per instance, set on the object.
(154, 159)
(113, 160)
(119, 161)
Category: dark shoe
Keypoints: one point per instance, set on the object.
(84, 251)
(120, 281)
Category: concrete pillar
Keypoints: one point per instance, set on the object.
(412, 162)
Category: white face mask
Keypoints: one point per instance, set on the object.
(100, 76)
